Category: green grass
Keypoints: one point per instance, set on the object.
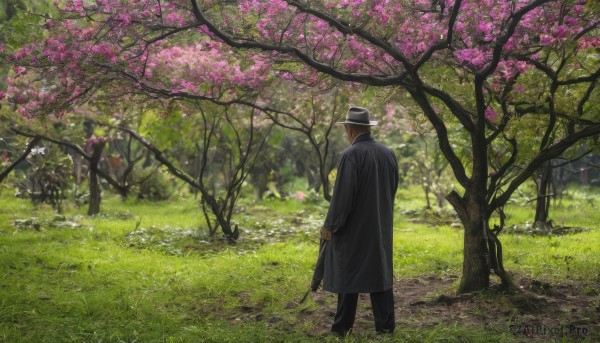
(87, 285)
(90, 284)
(555, 258)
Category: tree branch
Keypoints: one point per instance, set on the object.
(502, 40)
(381, 80)
(546, 154)
(346, 29)
(74, 147)
(442, 44)
(23, 156)
(461, 113)
(586, 97)
(440, 127)
(504, 168)
(542, 109)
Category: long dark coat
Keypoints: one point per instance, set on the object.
(359, 258)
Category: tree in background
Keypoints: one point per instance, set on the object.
(212, 148)
(421, 163)
(61, 165)
(312, 113)
(223, 146)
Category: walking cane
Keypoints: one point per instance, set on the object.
(319, 270)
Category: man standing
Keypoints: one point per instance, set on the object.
(359, 225)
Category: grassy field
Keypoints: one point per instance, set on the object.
(146, 272)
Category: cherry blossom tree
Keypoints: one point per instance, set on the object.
(494, 51)
(500, 71)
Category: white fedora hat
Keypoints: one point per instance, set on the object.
(358, 116)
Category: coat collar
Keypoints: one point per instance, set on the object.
(363, 137)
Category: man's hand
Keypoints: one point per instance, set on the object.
(326, 235)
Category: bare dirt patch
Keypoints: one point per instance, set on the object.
(538, 312)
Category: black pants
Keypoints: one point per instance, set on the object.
(383, 311)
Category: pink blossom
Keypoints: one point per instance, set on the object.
(125, 19)
(485, 27)
(20, 71)
(510, 68)
(77, 92)
(300, 196)
(94, 140)
(105, 50)
(496, 85)
(490, 114)
(570, 21)
(175, 19)
(522, 66)
(276, 7)
(589, 42)
(561, 32)
(546, 39)
(474, 56)
(2, 95)
(352, 64)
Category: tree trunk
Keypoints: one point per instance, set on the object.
(426, 191)
(77, 168)
(476, 261)
(260, 180)
(95, 196)
(476, 267)
(542, 208)
(208, 202)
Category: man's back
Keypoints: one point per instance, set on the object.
(359, 259)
